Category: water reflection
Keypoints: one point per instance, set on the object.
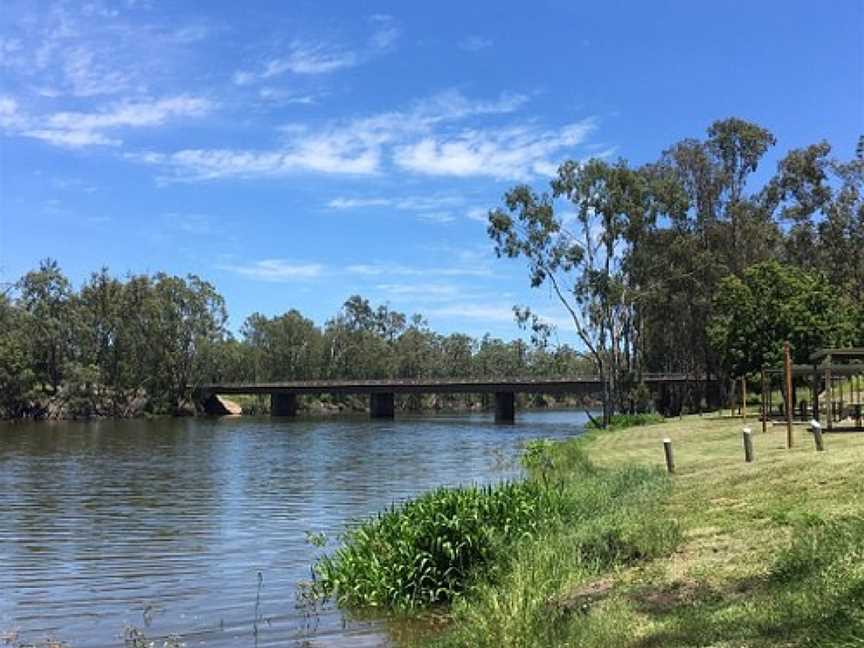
(164, 525)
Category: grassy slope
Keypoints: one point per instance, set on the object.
(772, 553)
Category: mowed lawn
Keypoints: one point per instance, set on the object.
(772, 551)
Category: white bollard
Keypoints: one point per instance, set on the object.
(816, 429)
(748, 444)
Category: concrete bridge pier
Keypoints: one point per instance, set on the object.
(283, 404)
(381, 405)
(505, 407)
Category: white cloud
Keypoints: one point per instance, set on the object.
(475, 43)
(407, 203)
(285, 98)
(70, 138)
(386, 34)
(354, 203)
(480, 214)
(312, 58)
(487, 312)
(311, 155)
(304, 58)
(492, 312)
(89, 73)
(11, 117)
(399, 270)
(80, 129)
(357, 147)
(91, 49)
(276, 270)
(421, 290)
(515, 153)
(132, 114)
(437, 216)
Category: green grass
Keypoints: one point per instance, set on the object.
(430, 549)
(463, 544)
(722, 553)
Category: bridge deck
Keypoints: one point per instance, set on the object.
(576, 384)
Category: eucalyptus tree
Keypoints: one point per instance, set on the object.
(17, 375)
(585, 260)
(186, 317)
(285, 347)
(47, 300)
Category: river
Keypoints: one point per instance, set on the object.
(165, 525)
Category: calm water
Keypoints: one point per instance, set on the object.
(165, 525)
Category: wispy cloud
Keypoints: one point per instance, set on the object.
(423, 291)
(516, 153)
(486, 312)
(361, 146)
(303, 58)
(80, 129)
(475, 43)
(276, 270)
(433, 208)
(89, 49)
(480, 214)
(399, 270)
(492, 312)
(310, 57)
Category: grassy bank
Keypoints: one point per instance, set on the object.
(723, 553)
(771, 553)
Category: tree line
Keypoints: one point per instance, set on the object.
(140, 344)
(687, 264)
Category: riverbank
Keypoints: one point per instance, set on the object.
(66, 408)
(723, 552)
(771, 553)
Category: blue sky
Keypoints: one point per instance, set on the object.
(297, 153)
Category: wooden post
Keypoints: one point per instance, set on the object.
(667, 450)
(787, 363)
(816, 429)
(764, 405)
(744, 397)
(748, 444)
(829, 394)
(815, 389)
(732, 400)
(840, 409)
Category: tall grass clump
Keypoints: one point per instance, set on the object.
(456, 544)
(614, 520)
(428, 550)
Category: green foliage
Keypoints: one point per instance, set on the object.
(111, 348)
(449, 542)
(640, 255)
(17, 378)
(613, 520)
(772, 303)
(622, 421)
(430, 549)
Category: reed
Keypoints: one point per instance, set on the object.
(429, 550)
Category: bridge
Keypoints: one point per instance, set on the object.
(283, 395)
